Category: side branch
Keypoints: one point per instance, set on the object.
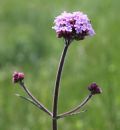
(72, 114)
(74, 110)
(41, 106)
(29, 100)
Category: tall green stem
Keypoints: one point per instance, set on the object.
(57, 84)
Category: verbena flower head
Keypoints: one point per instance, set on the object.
(72, 26)
(94, 89)
(17, 76)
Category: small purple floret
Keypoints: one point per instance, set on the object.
(72, 26)
(17, 76)
(94, 89)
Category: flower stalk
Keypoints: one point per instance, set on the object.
(57, 84)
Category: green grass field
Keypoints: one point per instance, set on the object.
(29, 44)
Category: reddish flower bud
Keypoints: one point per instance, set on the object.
(94, 89)
(17, 76)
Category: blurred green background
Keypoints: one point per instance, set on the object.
(28, 44)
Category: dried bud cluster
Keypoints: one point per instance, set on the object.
(18, 76)
(72, 26)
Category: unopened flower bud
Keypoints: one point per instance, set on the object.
(17, 76)
(94, 89)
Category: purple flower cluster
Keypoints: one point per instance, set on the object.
(18, 76)
(94, 89)
(72, 26)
